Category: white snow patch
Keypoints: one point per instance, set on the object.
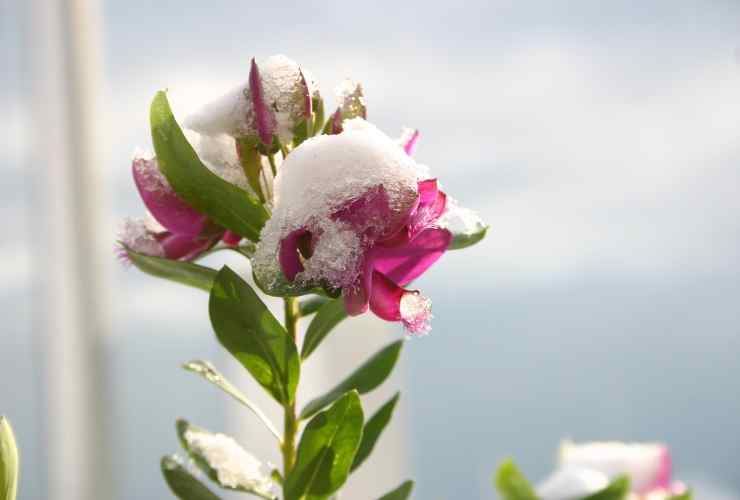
(325, 173)
(234, 466)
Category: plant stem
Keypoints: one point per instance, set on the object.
(292, 315)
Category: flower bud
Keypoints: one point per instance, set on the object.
(8, 461)
(271, 102)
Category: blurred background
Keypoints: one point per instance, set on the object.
(599, 140)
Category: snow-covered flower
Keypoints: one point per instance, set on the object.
(273, 101)
(355, 213)
(587, 468)
(172, 229)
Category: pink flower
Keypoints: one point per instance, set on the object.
(589, 467)
(177, 231)
(355, 213)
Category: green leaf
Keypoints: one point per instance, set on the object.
(281, 287)
(373, 428)
(511, 483)
(366, 378)
(208, 372)
(619, 489)
(468, 239)
(312, 304)
(318, 115)
(9, 463)
(249, 331)
(182, 483)
(225, 203)
(329, 316)
(400, 493)
(186, 273)
(685, 496)
(327, 449)
(258, 484)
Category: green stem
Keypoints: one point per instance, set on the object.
(273, 167)
(292, 315)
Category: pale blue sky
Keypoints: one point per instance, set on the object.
(601, 142)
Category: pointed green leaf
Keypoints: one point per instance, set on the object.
(400, 493)
(9, 463)
(250, 479)
(327, 449)
(467, 239)
(619, 489)
(208, 372)
(328, 316)
(511, 483)
(186, 273)
(225, 203)
(182, 483)
(249, 331)
(312, 305)
(366, 378)
(373, 429)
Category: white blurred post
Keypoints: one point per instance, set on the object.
(63, 81)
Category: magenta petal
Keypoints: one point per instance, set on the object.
(307, 101)
(231, 239)
(163, 202)
(406, 262)
(336, 122)
(431, 206)
(385, 298)
(290, 260)
(266, 123)
(357, 297)
(184, 247)
(410, 146)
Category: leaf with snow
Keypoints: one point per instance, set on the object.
(224, 461)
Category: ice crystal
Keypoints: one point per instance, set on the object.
(135, 234)
(416, 313)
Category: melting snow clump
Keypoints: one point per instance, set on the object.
(234, 466)
(319, 177)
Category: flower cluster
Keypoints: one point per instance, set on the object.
(351, 212)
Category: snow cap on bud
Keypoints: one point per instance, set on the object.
(140, 235)
(271, 102)
(351, 105)
(8, 461)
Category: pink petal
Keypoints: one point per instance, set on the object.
(410, 145)
(307, 101)
(290, 260)
(231, 239)
(357, 297)
(163, 202)
(407, 261)
(184, 247)
(336, 122)
(664, 471)
(266, 122)
(431, 207)
(392, 303)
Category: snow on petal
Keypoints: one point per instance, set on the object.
(392, 303)
(284, 86)
(647, 464)
(162, 201)
(572, 482)
(317, 180)
(235, 467)
(133, 233)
